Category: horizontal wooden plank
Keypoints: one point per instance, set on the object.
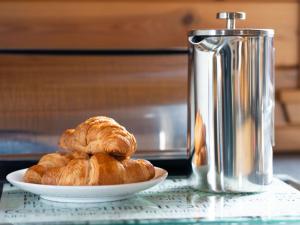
(293, 110)
(289, 96)
(49, 93)
(280, 117)
(107, 24)
(159, 1)
(290, 99)
(286, 78)
(287, 139)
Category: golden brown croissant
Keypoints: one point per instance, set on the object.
(105, 170)
(100, 169)
(138, 170)
(74, 173)
(52, 176)
(53, 160)
(98, 152)
(99, 134)
(34, 174)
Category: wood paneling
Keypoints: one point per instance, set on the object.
(287, 139)
(280, 117)
(287, 111)
(291, 101)
(290, 96)
(286, 78)
(293, 114)
(47, 93)
(138, 24)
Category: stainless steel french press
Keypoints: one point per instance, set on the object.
(231, 107)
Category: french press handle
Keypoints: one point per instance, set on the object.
(230, 17)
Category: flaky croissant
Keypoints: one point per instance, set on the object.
(53, 160)
(99, 169)
(99, 134)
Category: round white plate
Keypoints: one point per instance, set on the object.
(101, 193)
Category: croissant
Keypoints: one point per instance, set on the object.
(53, 160)
(97, 153)
(99, 134)
(100, 169)
(138, 170)
(105, 169)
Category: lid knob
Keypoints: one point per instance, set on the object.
(231, 17)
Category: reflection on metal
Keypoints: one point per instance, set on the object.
(200, 142)
(162, 140)
(160, 131)
(231, 112)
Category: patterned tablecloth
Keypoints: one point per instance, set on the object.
(172, 201)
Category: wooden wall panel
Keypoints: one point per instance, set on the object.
(290, 98)
(287, 78)
(287, 139)
(280, 117)
(49, 93)
(139, 24)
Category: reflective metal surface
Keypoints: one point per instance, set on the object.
(231, 112)
(238, 32)
(230, 30)
(230, 18)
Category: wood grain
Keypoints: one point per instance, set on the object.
(138, 24)
(49, 93)
(280, 117)
(286, 78)
(290, 100)
(293, 115)
(289, 96)
(287, 139)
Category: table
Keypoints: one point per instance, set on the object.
(171, 202)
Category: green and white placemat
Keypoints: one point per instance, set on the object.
(172, 200)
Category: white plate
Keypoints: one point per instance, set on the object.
(101, 193)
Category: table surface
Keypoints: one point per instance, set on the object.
(283, 164)
(171, 202)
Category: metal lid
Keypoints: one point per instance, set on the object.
(230, 30)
